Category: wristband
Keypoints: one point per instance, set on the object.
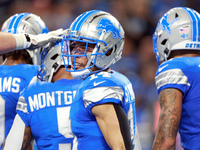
(23, 41)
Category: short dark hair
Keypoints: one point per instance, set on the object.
(19, 54)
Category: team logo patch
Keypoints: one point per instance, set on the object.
(106, 24)
(166, 26)
(184, 32)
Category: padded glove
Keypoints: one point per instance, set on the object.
(31, 42)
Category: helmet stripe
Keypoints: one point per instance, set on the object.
(197, 23)
(196, 37)
(11, 23)
(76, 22)
(81, 20)
(193, 23)
(18, 21)
(15, 22)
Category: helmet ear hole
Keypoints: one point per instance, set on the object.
(54, 56)
(108, 53)
(164, 42)
(113, 49)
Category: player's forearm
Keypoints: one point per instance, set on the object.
(114, 138)
(117, 135)
(166, 133)
(7, 42)
(163, 143)
(10, 42)
(27, 138)
(171, 108)
(111, 132)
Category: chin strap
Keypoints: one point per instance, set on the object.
(51, 75)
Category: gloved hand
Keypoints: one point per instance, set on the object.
(31, 42)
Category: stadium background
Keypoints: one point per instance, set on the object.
(139, 19)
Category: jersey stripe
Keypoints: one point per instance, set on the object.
(172, 76)
(99, 93)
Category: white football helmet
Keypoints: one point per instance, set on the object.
(178, 29)
(100, 29)
(51, 61)
(26, 23)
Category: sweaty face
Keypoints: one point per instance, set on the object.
(80, 50)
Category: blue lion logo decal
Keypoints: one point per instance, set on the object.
(166, 26)
(106, 24)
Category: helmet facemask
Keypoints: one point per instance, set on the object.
(102, 31)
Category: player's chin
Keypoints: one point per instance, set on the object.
(77, 67)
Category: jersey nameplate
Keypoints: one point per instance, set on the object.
(10, 84)
(48, 99)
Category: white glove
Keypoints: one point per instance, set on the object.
(31, 42)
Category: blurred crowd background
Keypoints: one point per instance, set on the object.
(139, 19)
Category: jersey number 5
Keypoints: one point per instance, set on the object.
(64, 126)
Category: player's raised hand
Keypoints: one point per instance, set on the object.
(44, 39)
(31, 42)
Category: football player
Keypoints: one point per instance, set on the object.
(15, 73)
(103, 114)
(177, 47)
(44, 106)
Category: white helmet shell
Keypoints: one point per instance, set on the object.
(178, 29)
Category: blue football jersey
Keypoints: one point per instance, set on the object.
(45, 107)
(12, 81)
(184, 74)
(98, 89)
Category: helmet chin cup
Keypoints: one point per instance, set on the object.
(79, 75)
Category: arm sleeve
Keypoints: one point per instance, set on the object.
(16, 134)
(124, 126)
